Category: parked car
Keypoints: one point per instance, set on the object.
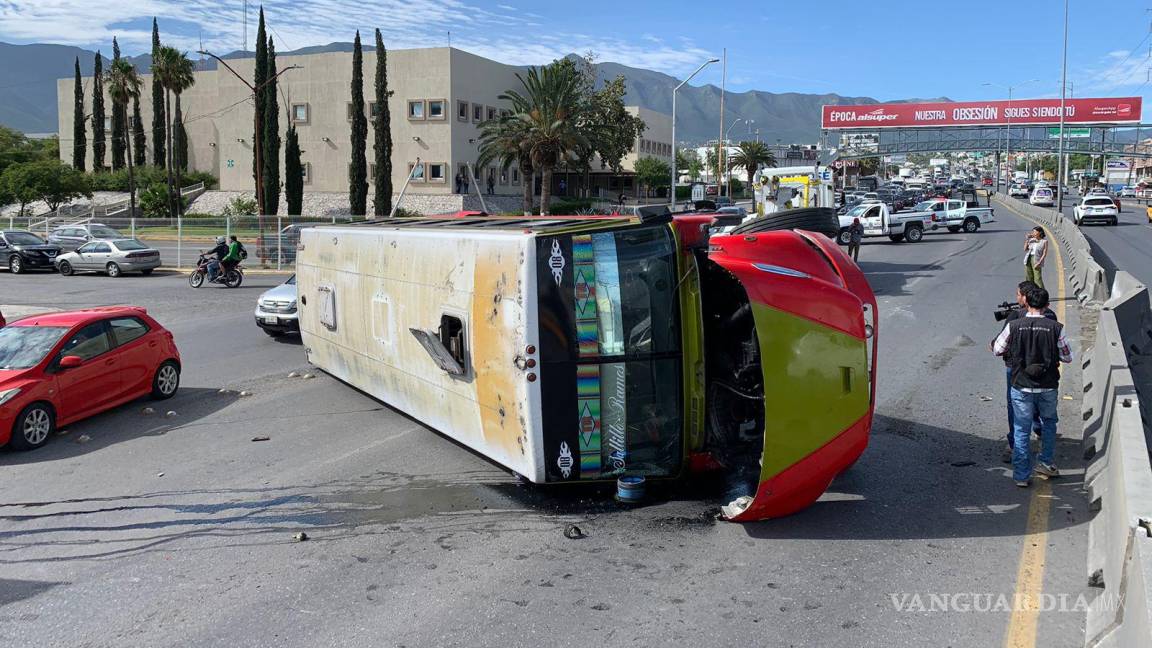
(724, 201)
(71, 237)
(113, 257)
(1128, 192)
(57, 368)
(23, 251)
(276, 310)
(1095, 208)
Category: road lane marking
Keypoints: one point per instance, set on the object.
(1030, 574)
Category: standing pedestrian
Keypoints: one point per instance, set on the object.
(1035, 253)
(459, 182)
(465, 183)
(1036, 346)
(1022, 291)
(563, 187)
(855, 237)
(491, 184)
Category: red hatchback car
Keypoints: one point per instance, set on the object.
(56, 368)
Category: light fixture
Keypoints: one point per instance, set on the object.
(240, 139)
(212, 144)
(325, 139)
(415, 138)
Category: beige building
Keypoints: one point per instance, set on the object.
(440, 97)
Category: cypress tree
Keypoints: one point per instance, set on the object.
(270, 155)
(180, 141)
(293, 173)
(357, 173)
(79, 131)
(98, 142)
(381, 122)
(159, 130)
(260, 76)
(139, 142)
(119, 119)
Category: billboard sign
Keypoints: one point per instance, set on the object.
(1054, 133)
(1116, 110)
(1117, 164)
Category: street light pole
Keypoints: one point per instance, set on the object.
(728, 176)
(1008, 170)
(675, 171)
(1063, 93)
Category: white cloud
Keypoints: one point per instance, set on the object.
(497, 32)
(1116, 71)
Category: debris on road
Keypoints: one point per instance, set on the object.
(169, 414)
(985, 398)
(293, 374)
(244, 394)
(574, 532)
(83, 438)
(63, 432)
(261, 438)
(309, 376)
(963, 464)
(1067, 397)
(300, 537)
(159, 474)
(147, 411)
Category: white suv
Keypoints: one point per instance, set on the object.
(1042, 197)
(1095, 208)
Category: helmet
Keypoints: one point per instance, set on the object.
(220, 240)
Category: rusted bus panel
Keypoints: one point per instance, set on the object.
(384, 282)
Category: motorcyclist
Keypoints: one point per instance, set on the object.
(218, 254)
(233, 258)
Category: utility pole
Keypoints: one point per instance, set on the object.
(721, 159)
(255, 125)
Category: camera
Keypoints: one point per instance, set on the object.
(1004, 309)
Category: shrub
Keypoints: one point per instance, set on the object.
(240, 206)
(154, 200)
(571, 206)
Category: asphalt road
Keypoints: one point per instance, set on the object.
(179, 532)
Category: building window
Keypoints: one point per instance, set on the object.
(107, 124)
(504, 177)
(371, 174)
(349, 111)
(306, 172)
(515, 176)
(416, 172)
(436, 171)
(416, 109)
(462, 110)
(477, 113)
(300, 113)
(373, 109)
(491, 113)
(436, 109)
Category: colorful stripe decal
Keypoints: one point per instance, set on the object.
(588, 405)
(584, 274)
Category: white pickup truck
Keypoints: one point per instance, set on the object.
(878, 221)
(956, 215)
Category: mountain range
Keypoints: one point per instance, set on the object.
(28, 75)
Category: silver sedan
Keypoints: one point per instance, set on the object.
(113, 257)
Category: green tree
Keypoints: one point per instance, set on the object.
(259, 81)
(51, 181)
(689, 160)
(179, 141)
(124, 85)
(79, 128)
(382, 126)
(548, 103)
(358, 172)
(652, 172)
(172, 69)
(616, 130)
(751, 156)
(16, 148)
(505, 141)
(98, 140)
(155, 201)
(139, 141)
(159, 130)
(270, 155)
(119, 120)
(293, 173)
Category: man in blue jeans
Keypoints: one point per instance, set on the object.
(1021, 291)
(1035, 346)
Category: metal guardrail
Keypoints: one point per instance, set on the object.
(1119, 474)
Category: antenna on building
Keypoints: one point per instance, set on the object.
(449, 39)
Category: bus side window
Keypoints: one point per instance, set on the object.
(452, 337)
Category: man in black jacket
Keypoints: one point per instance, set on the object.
(1036, 346)
(1022, 291)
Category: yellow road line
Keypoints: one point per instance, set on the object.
(1030, 574)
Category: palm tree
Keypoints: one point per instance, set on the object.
(751, 156)
(504, 141)
(549, 110)
(124, 85)
(172, 69)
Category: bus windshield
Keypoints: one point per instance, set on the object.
(610, 353)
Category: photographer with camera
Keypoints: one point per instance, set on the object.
(1034, 346)
(1006, 313)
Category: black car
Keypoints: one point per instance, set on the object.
(24, 251)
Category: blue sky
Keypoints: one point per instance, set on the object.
(885, 49)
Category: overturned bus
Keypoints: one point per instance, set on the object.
(580, 349)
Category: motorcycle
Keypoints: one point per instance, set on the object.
(231, 278)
